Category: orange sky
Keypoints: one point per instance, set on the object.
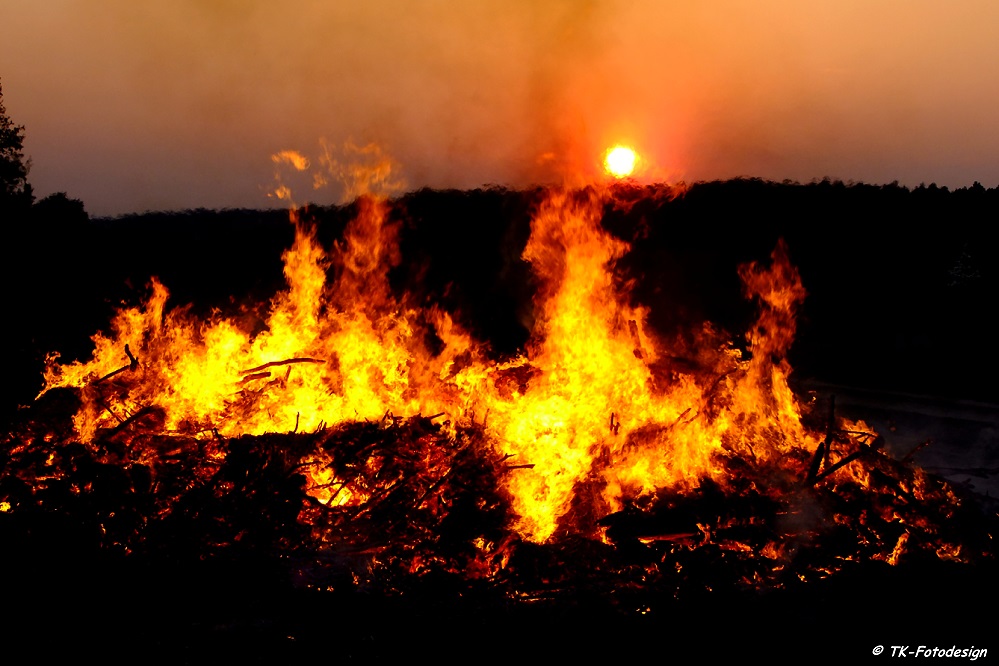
(169, 104)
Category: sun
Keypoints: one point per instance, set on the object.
(620, 161)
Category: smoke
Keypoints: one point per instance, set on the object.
(164, 104)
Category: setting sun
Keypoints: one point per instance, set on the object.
(620, 161)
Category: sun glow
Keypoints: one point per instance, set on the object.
(620, 161)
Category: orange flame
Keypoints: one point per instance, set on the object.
(592, 416)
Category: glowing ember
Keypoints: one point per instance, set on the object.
(620, 161)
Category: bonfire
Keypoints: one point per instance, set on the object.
(368, 442)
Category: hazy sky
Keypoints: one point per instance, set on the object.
(133, 105)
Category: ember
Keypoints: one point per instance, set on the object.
(363, 442)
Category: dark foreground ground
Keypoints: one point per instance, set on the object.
(235, 612)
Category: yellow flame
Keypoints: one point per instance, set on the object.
(292, 157)
(590, 417)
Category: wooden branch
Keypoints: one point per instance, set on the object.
(133, 363)
(107, 407)
(434, 487)
(633, 329)
(821, 458)
(300, 359)
(830, 430)
(680, 418)
(908, 456)
(864, 449)
(672, 536)
(131, 419)
(255, 375)
(377, 495)
(451, 470)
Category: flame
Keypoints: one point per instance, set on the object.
(592, 416)
(298, 161)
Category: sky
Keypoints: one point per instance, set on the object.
(173, 104)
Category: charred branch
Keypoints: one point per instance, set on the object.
(919, 447)
(130, 420)
(273, 364)
(865, 449)
(633, 329)
(821, 458)
(255, 375)
(133, 363)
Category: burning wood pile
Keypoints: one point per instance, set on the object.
(363, 443)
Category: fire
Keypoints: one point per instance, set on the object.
(598, 418)
(620, 161)
(595, 416)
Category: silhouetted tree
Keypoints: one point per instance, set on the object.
(15, 191)
(59, 209)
